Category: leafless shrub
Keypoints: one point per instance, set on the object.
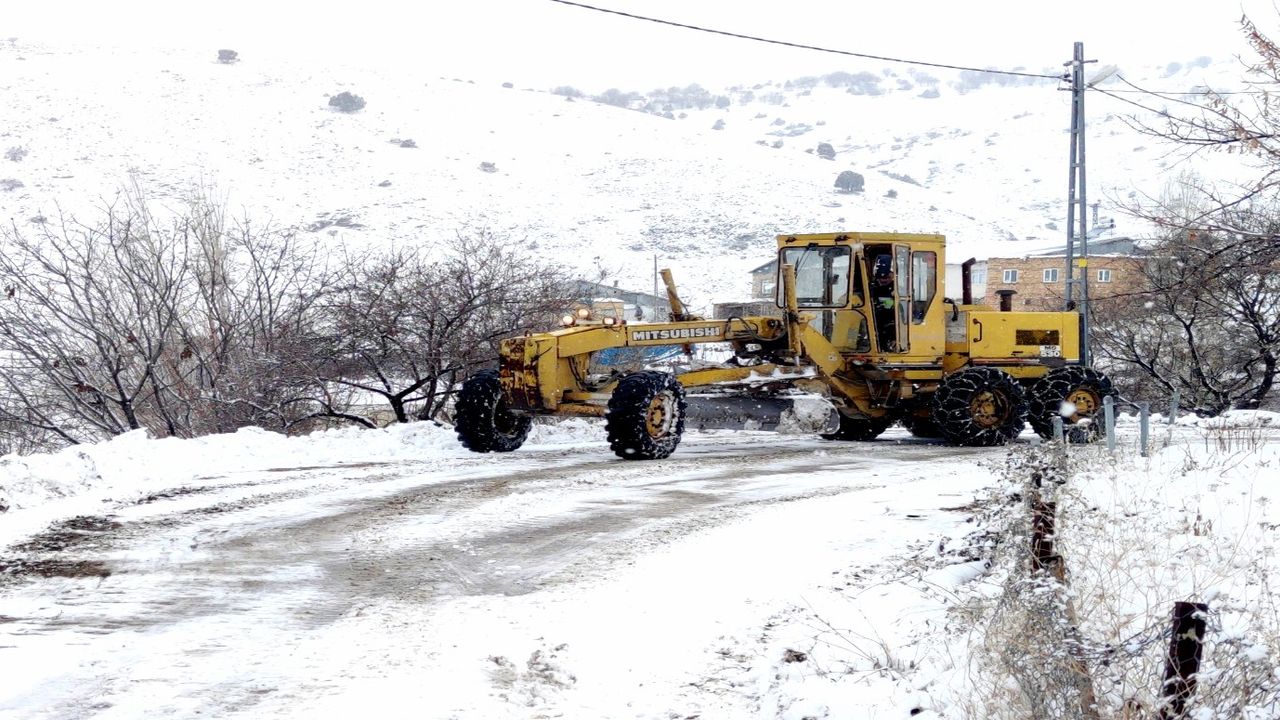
(405, 329)
(135, 322)
(185, 323)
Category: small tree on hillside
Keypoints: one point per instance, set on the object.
(226, 57)
(346, 102)
(849, 182)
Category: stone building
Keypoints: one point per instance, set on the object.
(1039, 280)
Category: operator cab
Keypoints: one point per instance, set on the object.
(863, 292)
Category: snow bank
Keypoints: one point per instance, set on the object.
(1228, 419)
(134, 463)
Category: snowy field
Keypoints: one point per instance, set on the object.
(390, 573)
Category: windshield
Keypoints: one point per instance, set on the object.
(822, 275)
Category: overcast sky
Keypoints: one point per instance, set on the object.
(543, 43)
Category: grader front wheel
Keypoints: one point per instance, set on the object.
(646, 416)
(980, 406)
(858, 429)
(922, 427)
(482, 420)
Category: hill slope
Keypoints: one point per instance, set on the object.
(594, 184)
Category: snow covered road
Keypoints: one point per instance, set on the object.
(556, 581)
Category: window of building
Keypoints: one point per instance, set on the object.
(978, 277)
(1011, 276)
(1104, 275)
(1051, 274)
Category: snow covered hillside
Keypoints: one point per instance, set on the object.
(592, 184)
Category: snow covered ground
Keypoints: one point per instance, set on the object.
(392, 573)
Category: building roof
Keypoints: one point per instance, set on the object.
(589, 289)
(1110, 246)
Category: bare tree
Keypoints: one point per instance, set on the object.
(247, 326)
(182, 326)
(86, 316)
(194, 324)
(1205, 319)
(1245, 124)
(406, 329)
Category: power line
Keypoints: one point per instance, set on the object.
(1173, 93)
(1113, 95)
(802, 46)
(1206, 91)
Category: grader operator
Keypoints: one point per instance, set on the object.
(864, 324)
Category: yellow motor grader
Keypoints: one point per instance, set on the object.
(863, 323)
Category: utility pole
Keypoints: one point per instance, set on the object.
(1077, 209)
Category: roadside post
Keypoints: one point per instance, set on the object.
(1109, 417)
(1144, 423)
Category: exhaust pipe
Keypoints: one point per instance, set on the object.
(966, 280)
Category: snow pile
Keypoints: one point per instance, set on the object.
(134, 464)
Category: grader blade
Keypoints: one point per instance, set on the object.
(800, 415)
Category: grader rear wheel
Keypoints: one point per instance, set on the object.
(1074, 393)
(646, 416)
(482, 420)
(980, 406)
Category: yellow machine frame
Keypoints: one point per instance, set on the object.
(824, 343)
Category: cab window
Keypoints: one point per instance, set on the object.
(924, 283)
(822, 275)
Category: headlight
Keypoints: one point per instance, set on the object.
(611, 321)
(584, 313)
(567, 321)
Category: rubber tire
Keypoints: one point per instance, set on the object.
(953, 414)
(1048, 393)
(481, 419)
(922, 427)
(627, 422)
(859, 429)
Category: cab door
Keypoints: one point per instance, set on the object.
(901, 299)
